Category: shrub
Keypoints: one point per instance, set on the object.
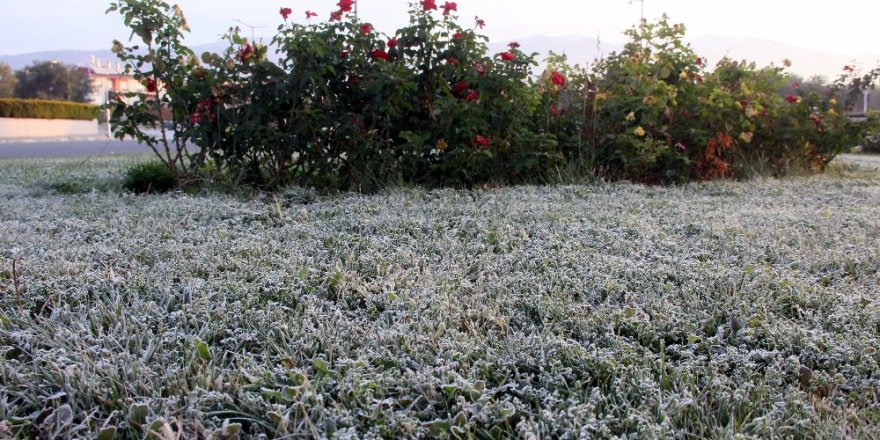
(347, 107)
(149, 177)
(655, 113)
(44, 109)
(871, 139)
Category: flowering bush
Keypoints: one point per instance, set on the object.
(654, 113)
(347, 106)
(165, 66)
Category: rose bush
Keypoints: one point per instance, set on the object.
(346, 106)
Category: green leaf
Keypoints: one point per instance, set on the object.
(203, 349)
(108, 433)
(322, 365)
(137, 415)
(438, 427)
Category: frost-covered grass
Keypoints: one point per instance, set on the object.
(715, 310)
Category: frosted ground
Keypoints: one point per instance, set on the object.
(717, 310)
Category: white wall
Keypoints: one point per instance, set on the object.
(37, 128)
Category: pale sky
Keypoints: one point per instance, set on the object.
(842, 26)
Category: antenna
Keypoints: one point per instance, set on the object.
(253, 39)
(642, 14)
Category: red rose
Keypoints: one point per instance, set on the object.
(246, 53)
(513, 45)
(345, 5)
(699, 61)
(336, 16)
(449, 7)
(481, 68)
(481, 141)
(392, 42)
(472, 96)
(310, 14)
(456, 36)
(795, 85)
(460, 87)
(427, 5)
(816, 120)
(557, 78)
(366, 29)
(195, 118)
(380, 54)
(152, 85)
(791, 99)
(508, 56)
(480, 22)
(285, 12)
(848, 69)
(453, 61)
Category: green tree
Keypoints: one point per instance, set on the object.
(7, 81)
(53, 80)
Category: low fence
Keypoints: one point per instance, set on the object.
(38, 128)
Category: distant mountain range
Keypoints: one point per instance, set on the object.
(579, 49)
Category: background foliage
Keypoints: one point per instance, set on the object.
(45, 109)
(53, 80)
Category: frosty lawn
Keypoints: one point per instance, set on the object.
(706, 310)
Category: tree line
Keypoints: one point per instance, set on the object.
(45, 80)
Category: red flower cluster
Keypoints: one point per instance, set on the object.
(345, 5)
(380, 54)
(427, 5)
(481, 141)
(791, 99)
(392, 42)
(480, 22)
(557, 78)
(508, 56)
(366, 29)
(203, 109)
(285, 12)
(310, 14)
(449, 7)
(246, 53)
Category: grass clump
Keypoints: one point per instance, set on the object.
(149, 177)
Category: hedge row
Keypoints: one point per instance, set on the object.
(45, 109)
